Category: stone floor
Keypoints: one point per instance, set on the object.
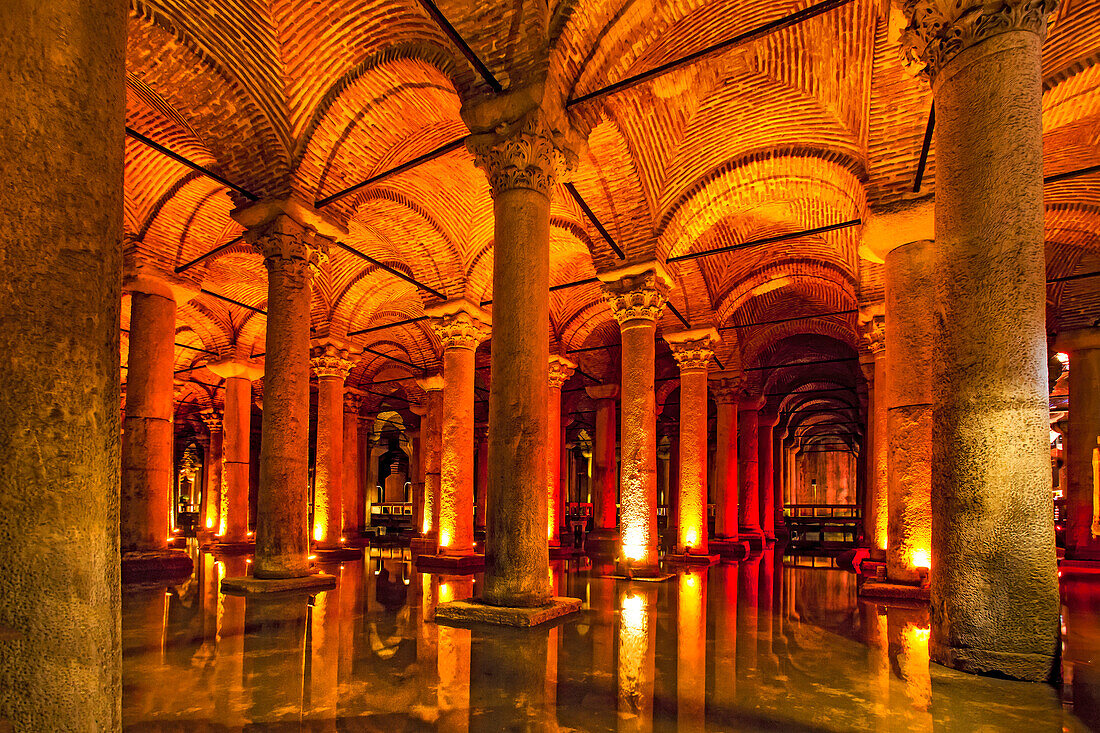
(765, 644)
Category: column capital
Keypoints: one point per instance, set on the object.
(636, 292)
(228, 368)
(430, 382)
(288, 246)
(561, 369)
(887, 227)
(693, 349)
(140, 277)
(459, 324)
(603, 391)
(749, 403)
(874, 334)
(939, 30)
(352, 403)
(727, 390)
(768, 418)
(330, 361)
(1078, 339)
(212, 419)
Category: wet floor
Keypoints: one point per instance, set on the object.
(765, 644)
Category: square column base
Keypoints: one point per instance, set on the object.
(692, 559)
(250, 586)
(457, 613)
(754, 537)
(730, 549)
(148, 566)
(893, 591)
(602, 544)
(457, 564)
(233, 548)
(423, 546)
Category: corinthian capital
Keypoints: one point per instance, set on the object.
(694, 348)
(561, 369)
(212, 419)
(874, 334)
(519, 154)
(288, 247)
(330, 360)
(726, 390)
(636, 292)
(459, 324)
(939, 30)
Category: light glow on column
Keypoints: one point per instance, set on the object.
(921, 559)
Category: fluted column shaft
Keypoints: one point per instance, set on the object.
(994, 583)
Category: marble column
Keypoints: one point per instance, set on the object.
(637, 295)
(147, 470)
(561, 369)
(460, 326)
(1082, 492)
(910, 277)
(726, 392)
(212, 493)
(994, 580)
(62, 110)
(330, 363)
(481, 440)
(291, 251)
(431, 439)
(604, 465)
(767, 420)
(521, 154)
(351, 482)
(693, 349)
(748, 471)
(875, 505)
(232, 527)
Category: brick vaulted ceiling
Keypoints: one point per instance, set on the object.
(805, 127)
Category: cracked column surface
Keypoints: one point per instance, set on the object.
(910, 281)
(725, 459)
(766, 422)
(62, 106)
(516, 142)
(994, 579)
(693, 350)
(282, 534)
(1083, 429)
(748, 472)
(330, 363)
(561, 369)
(605, 484)
(637, 295)
(461, 326)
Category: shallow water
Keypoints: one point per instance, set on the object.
(765, 644)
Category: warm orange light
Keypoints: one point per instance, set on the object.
(210, 524)
(312, 557)
(318, 532)
(921, 559)
(343, 539)
(444, 538)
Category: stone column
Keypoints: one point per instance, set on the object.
(212, 493)
(1082, 499)
(432, 444)
(520, 155)
(766, 472)
(994, 581)
(748, 471)
(637, 295)
(604, 470)
(461, 326)
(330, 363)
(693, 350)
(561, 369)
(875, 506)
(481, 439)
(910, 280)
(291, 251)
(147, 470)
(352, 480)
(725, 459)
(62, 110)
(232, 527)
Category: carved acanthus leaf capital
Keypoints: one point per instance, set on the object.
(939, 30)
(874, 334)
(639, 296)
(693, 349)
(726, 391)
(561, 369)
(329, 360)
(460, 330)
(289, 248)
(212, 419)
(520, 154)
(352, 403)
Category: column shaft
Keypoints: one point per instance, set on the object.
(433, 448)
(328, 471)
(638, 482)
(605, 487)
(692, 527)
(766, 474)
(482, 477)
(1083, 525)
(553, 466)
(212, 493)
(456, 507)
(237, 426)
(351, 481)
(748, 472)
(725, 459)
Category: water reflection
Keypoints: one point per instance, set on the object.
(765, 643)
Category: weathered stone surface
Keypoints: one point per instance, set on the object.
(475, 612)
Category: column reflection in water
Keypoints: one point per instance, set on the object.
(145, 618)
(723, 593)
(911, 691)
(274, 656)
(323, 654)
(228, 686)
(453, 658)
(636, 657)
(766, 589)
(691, 653)
(748, 602)
(603, 600)
(875, 636)
(349, 588)
(509, 684)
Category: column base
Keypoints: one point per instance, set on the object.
(145, 566)
(1026, 667)
(754, 537)
(602, 543)
(250, 586)
(887, 591)
(423, 546)
(233, 548)
(338, 553)
(730, 549)
(473, 611)
(692, 559)
(451, 564)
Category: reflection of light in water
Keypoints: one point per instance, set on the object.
(922, 559)
(633, 653)
(913, 664)
(691, 651)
